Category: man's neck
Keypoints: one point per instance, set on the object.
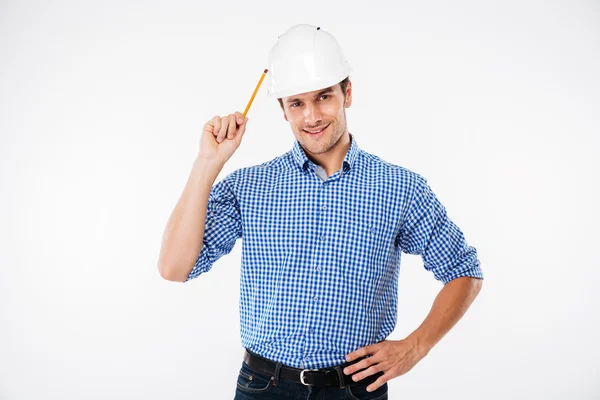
(332, 160)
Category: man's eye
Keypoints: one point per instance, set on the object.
(296, 104)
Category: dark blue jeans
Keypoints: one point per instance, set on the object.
(253, 384)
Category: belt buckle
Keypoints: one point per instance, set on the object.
(302, 375)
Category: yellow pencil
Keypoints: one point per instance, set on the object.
(255, 90)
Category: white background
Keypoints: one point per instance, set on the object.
(101, 108)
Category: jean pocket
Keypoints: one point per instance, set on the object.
(358, 391)
(251, 381)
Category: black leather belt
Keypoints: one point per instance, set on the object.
(332, 376)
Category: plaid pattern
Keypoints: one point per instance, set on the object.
(321, 258)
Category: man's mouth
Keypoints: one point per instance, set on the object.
(315, 131)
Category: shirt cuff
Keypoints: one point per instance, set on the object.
(473, 271)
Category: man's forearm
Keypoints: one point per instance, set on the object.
(449, 306)
(182, 238)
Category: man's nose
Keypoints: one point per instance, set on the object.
(312, 115)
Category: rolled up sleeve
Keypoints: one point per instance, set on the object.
(428, 231)
(222, 228)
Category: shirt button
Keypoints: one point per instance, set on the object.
(325, 207)
(315, 298)
(322, 237)
(311, 330)
(318, 268)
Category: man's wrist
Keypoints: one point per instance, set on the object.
(210, 166)
(209, 162)
(420, 342)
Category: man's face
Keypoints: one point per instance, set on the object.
(311, 111)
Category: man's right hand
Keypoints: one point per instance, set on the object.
(221, 136)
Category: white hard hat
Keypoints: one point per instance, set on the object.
(305, 58)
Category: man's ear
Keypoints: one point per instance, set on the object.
(348, 101)
(282, 108)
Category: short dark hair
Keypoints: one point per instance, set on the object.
(343, 85)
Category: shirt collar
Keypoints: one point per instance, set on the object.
(302, 161)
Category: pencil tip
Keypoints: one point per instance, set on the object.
(265, 71)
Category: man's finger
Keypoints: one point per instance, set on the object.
(362, 364)
(241, 131)
(373, 369)
(215, 122)
(240, 118)
(363, 351)
(223, 130)
(379, 382)
(232, 126)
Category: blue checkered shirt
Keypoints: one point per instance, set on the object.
(321, 257)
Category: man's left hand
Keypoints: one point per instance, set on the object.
(394, 357)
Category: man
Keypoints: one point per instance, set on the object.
(323, 229)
